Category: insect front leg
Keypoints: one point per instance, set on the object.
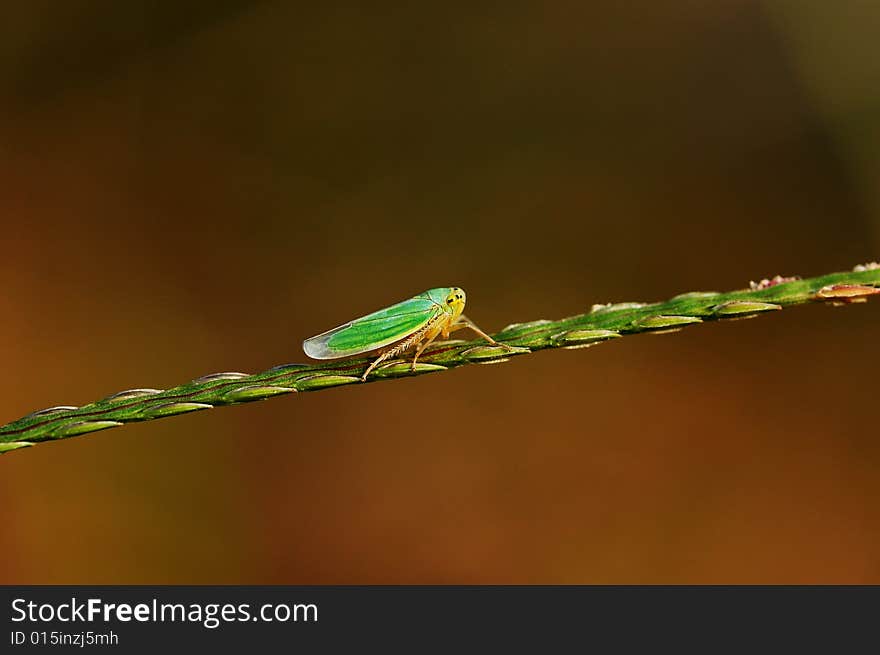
(465, 322)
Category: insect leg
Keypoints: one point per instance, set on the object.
(421, 347)
(465, 322)
(381, 358)
(403, 346)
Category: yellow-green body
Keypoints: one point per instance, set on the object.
(412, 323)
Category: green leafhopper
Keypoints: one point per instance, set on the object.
(412, 323)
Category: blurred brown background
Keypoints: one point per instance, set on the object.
(190, 187)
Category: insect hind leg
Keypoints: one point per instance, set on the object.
(419, 350)
(403, 346)
(381, 358)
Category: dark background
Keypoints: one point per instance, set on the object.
(190, 187)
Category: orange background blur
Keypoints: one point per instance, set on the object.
(191, 187)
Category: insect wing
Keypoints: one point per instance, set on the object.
(372, 331)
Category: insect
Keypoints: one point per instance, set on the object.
(412, 323)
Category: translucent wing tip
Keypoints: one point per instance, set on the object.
(316, 348)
